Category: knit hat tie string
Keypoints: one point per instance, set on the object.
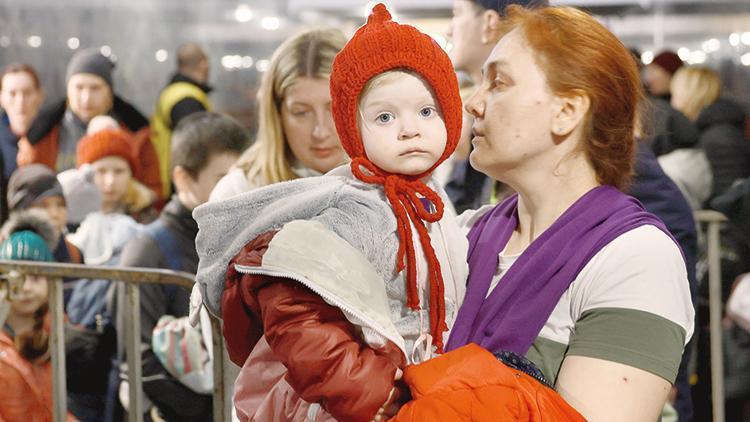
(403, 194)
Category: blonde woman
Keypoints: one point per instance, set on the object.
(693, 88)
(296, 135)
(696, 92)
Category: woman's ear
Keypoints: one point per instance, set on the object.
(490, 26)
(570, 112)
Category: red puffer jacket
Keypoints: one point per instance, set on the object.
(315, 354)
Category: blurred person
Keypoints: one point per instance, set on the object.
(205, 145)
(25, 367)
(612, 340)
(473, 32)
(186, 93)
(101, 237)
(36, 187)
(21, 96)
(296, 135)
(659, 73)
(84, 197)
(54, 135)
(696, 92)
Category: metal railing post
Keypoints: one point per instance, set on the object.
(714, 219)
(57, 350)
(133, 277)
(221, 410)
(133, 351)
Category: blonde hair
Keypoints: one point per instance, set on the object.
(309, 54)
(695, 88)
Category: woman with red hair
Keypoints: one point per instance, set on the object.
(571, 272)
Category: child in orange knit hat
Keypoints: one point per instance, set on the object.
(329, 286)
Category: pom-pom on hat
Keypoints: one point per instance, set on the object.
(105, 143)
(379, 46)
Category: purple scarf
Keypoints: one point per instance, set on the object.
(519, 306)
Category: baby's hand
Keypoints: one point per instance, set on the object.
(398, 396)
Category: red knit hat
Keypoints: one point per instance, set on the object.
(379, 46)
(105, 143)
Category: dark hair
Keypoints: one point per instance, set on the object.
(20, 67)
(33, 344)
(202, 135)
(499, 6)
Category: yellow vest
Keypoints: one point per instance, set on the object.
(161, 123)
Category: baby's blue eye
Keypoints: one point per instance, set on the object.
(426, 112)
(384, 118)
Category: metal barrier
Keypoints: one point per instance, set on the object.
(714, 220)
(14, 277)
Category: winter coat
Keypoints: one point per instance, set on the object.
(311, 265)
(173, 399)
(182, 97)
(40, 145)
(25, 387)
(470, 384)
(722, 137)
(667, 129)
(8, 153)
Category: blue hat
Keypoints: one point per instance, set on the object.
(25, 246)
(500, 5)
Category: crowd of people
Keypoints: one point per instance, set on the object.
(399, 213)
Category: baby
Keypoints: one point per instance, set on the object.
(329, 286)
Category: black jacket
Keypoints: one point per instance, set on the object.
(722, 137)
(668, 129)
(175, 401)
(186, 106)
(52, 115)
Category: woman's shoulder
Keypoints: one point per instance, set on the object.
(640, 271)
(233, 183)
(642, 268)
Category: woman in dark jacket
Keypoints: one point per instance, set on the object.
(721, 122)
(722, 127)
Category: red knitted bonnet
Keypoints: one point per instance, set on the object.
(377, 47)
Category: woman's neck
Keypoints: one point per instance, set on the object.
(544, 197)
(20, 323)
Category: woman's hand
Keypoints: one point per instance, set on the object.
(398, 396)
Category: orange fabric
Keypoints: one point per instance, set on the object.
(43, 152)
(326, 361)
(377, 47)
(105, 143)
(470, 384)
(25, 388)
(144, 161)
(147, 163)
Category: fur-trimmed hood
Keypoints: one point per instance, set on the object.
(34, 220)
